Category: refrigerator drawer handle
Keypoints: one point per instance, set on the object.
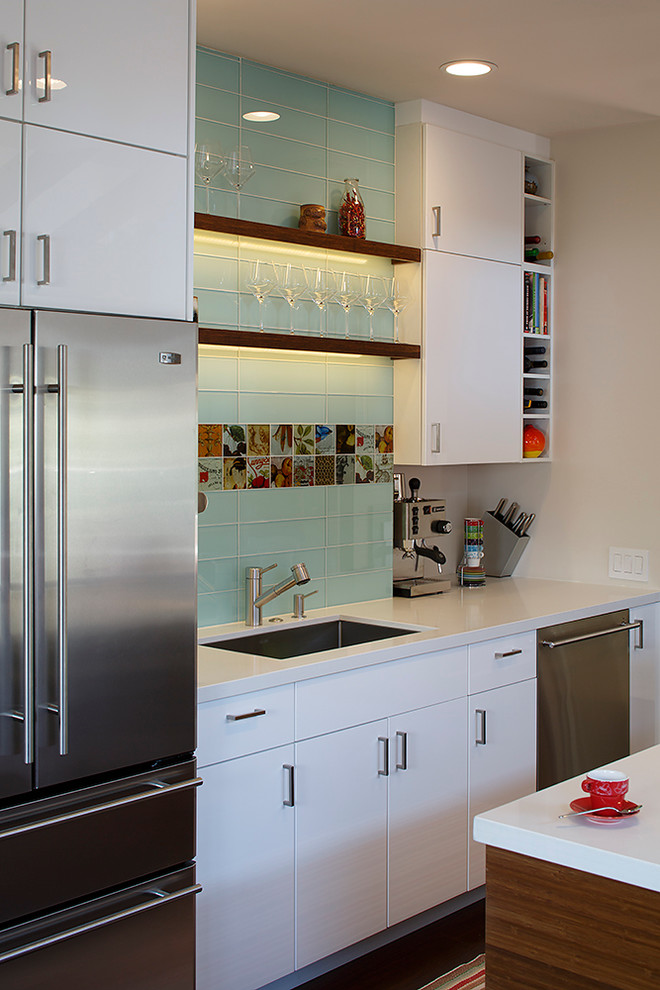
(160, 897)
(551, 644)
(159, 788)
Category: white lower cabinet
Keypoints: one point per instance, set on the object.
(245, 863)
(502, 756)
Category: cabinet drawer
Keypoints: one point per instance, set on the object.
(325, 704)
(502, 661)
(246, 723)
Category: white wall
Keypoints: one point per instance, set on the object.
(603, 486)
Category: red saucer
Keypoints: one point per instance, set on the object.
(602, 817)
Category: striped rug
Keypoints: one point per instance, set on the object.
(469, 976)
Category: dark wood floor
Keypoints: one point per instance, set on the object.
(413, 960)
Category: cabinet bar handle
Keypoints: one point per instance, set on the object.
(509, 653)
(15, 49)
(62, 548)
(289, 801)
(384, 771)
(11, 276)
(480, 739)
(28, 552)
(436, 437)
(45, 239)
(403, 764)
(47, 57)
(437, 210)
(254, 714)
(551, 644)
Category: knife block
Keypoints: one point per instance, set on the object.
(502, 548)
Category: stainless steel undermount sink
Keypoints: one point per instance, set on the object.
(313, 637)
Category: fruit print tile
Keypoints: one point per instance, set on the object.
(281, 439)
(281, 472)
(325, 439)
(210, 475)
(233, 440)
(364, 469)
(303, 471)
(345, 439)
(258, 472)
(209, 440)
(345, 469)
(234, 473)
(258, 439)
(324, 469)
(384, 468)
(384, 440)
(364, 439)
(303, 438)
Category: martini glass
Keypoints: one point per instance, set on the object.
(239, 167)
(373, 296)
(208, 162)
(396, 302)
(348, 293)
(321, 287)
(291, 285)
(261, 282)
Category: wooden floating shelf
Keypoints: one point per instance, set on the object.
(303, 342)
(291, 235)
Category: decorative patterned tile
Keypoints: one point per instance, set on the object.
(234, 473)
(384, 439)
(209, 440)
(281, 439)
(384, 468)
(325, 439)
(303, 438)
(364, 439)
(345, 439)
(324, 469)
(258, 472)
(210, 475)
(345, 469)
(364, 469)
(281, 472)
(303, 470)
(233, 440)
(258, 439)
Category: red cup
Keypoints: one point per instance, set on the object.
(607, 788)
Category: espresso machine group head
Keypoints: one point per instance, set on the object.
(417, 520)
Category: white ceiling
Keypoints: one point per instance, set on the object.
(564, 65)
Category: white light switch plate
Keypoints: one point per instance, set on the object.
(630, 565)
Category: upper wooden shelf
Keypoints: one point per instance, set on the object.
(291, 235)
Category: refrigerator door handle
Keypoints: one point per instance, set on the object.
(28, 552)
(160, 897)
(62, 549)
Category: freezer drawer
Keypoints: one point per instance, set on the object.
(64, 848)
(143, 936)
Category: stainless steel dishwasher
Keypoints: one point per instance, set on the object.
(583, 695)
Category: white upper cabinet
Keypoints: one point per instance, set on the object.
(10, 212)
(113, 70)
(11, 59)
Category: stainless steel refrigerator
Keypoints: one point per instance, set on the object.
(97, 652)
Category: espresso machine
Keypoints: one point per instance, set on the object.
(416, 521)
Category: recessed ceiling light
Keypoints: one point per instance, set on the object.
(261, 115)
(466, 67)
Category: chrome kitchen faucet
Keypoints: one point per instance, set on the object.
(255, 599)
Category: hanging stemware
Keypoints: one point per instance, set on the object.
(321, 285)
(261, 282)
(371, 298)
(291, 285)
(239, 167)
(348, 293)
(396, 302)
(209, 160)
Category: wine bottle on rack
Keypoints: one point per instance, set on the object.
(530, 365)
(535, 349)
(535, 404)
(533, 239)
(533, 391)
(533, 254)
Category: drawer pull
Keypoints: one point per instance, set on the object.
(480, 739)
(403, 764)
(290, 800)
(509, 653)
(254, 714)
(384, 771)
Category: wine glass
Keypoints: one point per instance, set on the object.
(261, 282)
(209, 160)
(239, 167)
(371, 298)
(291, 284)
(321, 286)
(396, 302)
(348, 293)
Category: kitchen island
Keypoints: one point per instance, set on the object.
(571, 903)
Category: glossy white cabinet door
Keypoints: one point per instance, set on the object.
(472, 401)
(245, 864)
(472, 197)
(645, 678)
(11, 59)
(428, 809)
(119, 70)
(502, 767)
(10, 212)
(115, 220)
(341, 855)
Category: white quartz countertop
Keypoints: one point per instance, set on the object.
(504, 606)
(627, 850)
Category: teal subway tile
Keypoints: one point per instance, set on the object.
(353, 108)
(381, 230)
(217, 105)
(221, 137)
(282, 376)
(222, 508)
(217, 407)
(214, 69)
(218, 575)
(369, 586)
(378, 205)
(269, 537)
(360, 141)
(274, 504)
(216, 609)
(222, 203)
(218, 541)
(353, 500)
(360, 409)
(257, 407)
(314, 560)
(363, 379)
(279, 153)
(358, 557)
(291, 124)
(269, 211)
(218, 373)
(271, 313)
(201, 200)
(363, 528)
(212, 272)
(372, 175)
(290, 187)
(218, 309)
(287, 90)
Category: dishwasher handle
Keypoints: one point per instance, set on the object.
(638, 624)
